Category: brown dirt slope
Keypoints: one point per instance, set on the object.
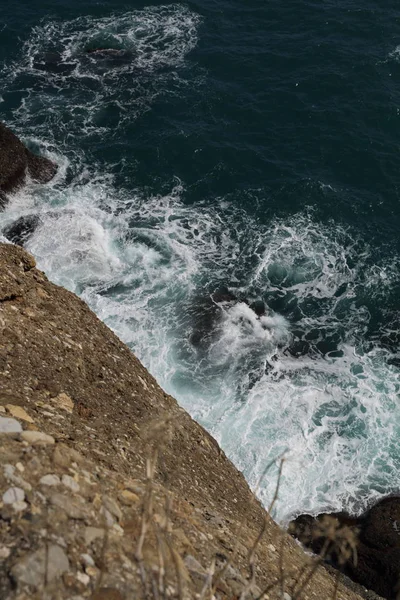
(109, 490)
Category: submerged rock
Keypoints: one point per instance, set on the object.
(375, 564)
(118, 53)
(22, 229)
(16, 161)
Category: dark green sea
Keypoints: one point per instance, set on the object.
(226, 153)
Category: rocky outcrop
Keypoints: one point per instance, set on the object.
(22, 229)
(376, 538)
(108, 489)
(16, 161)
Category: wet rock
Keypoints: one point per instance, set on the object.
(18, 412)
(22, 229)
(52, 62)
(258, 306)
(113, 56)
(9, 425)
(37, 438)
(44, 565)
(16, 160)
(376, 535)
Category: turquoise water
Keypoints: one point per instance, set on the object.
(227, 154)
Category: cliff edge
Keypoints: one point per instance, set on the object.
(109, 490)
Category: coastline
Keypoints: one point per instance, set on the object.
(105, 422)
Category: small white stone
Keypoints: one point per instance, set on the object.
(20, 467)
(107, 516)
(13, 494)
(37, 438)
(4, 552)
(50, 479)
(87, 559)
(20, 506)
(286, 596)
(118, 529)
(8, 425)
(83, 578)
(70, 483)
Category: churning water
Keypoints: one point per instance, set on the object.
(227, 202)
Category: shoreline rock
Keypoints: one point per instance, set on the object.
(376, 538)
(16, 161)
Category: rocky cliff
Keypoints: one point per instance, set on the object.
(109, 490)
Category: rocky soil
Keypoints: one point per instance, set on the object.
(108, 489)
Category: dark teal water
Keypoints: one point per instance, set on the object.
(249, 148)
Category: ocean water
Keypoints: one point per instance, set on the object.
(229, 153)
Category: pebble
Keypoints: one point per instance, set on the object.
(70, 483)
(19, 413)
(112, 506)
(87, 559)
(20, 506)
(193, 565)
(74, 507)
(13, 494)
(9, 473)
(8, 425)
(2, 409)
(4, 552)
(128, 498)
(64, 455)
(107, 516)
(50, 479)
(83, 578)
(64, 402)
(37, 438)
(286, 596)
(41, 566)
(92, 533)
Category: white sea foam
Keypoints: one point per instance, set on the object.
(79, 92)
(145, 264)
(307, 376)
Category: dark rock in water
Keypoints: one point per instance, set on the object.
(376, 535)
(258, 306)
(222, 294)
(206, 315)
(52, 62)
(3, 200)
(114, 56)
(16, 160)
(21, 230)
